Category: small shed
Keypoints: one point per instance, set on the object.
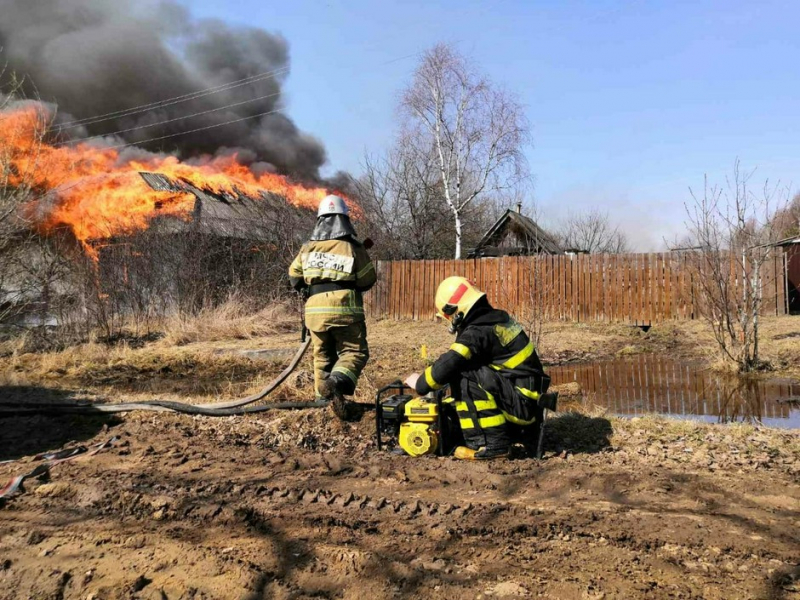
(791, 248)
(514, 234)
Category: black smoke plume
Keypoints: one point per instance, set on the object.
(92, 57)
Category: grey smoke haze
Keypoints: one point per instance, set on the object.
(92, 57)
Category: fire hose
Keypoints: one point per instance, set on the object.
(218, 409)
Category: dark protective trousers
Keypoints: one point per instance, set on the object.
(480, 416)
(340, 350)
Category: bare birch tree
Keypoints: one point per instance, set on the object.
(731, 230)
(477, 130)
(592, 232)
(401, 196)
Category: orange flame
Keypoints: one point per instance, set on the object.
(99, 193)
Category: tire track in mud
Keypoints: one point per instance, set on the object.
(505, 522)
(504, 519)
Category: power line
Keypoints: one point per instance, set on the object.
(163, 137)
(197, 114)
(145, 108)
(170, 101)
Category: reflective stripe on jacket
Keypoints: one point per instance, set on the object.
(493, 351)
(339, 260)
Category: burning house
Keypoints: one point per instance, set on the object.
(226, 241)
(157, 233)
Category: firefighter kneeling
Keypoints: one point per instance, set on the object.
(494, 373)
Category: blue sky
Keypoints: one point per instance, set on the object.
(630, 102)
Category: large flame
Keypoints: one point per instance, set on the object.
(97, 191)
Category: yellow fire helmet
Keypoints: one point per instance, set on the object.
(455, 297)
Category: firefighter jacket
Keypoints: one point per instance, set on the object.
(342, 263)
(495, 360)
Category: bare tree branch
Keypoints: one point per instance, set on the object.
(731, 232)
(478, 132)
(592, 232)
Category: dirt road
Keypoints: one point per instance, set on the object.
(300, 506)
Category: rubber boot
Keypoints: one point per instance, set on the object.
(331, 388)
(483, 453)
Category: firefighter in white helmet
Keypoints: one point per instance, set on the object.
(333, 270)
(494, 373)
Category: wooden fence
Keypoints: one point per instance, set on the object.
(638, 289)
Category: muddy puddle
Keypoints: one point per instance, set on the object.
(652, 384)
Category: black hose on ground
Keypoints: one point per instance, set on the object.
(152, 405)
(218, 409)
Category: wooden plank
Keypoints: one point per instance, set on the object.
(595, 290)
(386, 284)
(591, 282)
(577, 285)
(566, 277)
(644, 273)
(649, 287)
(516, 291)
(419, 289)
(685, 283)
(521, 281)
(545, 291)
(558, 276)
(422, 284)
(409, 290)
(580, 288)
(401, 297)
(386, 272)
(623, 290)
(620, 290)
(781, 269)
(640, 286)
(607, 288)
(401, 266)
(391, 291)
(653, 289)
(575, 279)
(635, 273)
(597, 286)
(437, 278)
(554, 293)
(566, 287)
(613, 287)
(633, 310)
(679, 265)
(398, 291)
(667, 279)
(431, 284)
(430, 289)
(414, 292)
(588, 282)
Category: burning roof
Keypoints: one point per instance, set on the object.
(96, 191)
(228, 213)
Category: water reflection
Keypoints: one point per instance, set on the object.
(654, 384)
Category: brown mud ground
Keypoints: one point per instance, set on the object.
(297, 505)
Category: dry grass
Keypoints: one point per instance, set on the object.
(199, 361)
(232, 320)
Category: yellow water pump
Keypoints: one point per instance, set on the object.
(417, 435)
(417, 425)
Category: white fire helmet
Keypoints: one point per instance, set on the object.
(332, 205)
